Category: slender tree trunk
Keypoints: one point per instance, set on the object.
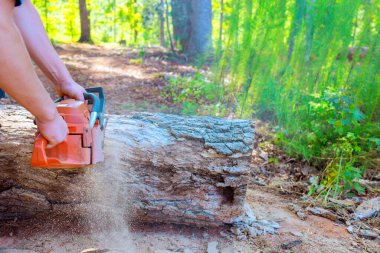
(247, 42)
(162, 23)
(72, 30)
(221, 19)
(168, 27)
(114, 20)
(135, 32)
(84, 22)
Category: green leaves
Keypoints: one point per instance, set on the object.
(193, 92)
(130, 21)
(376, 141)
(338, 138)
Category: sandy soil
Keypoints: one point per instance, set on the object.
(315, 234)
(135, 85)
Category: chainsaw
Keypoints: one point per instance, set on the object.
(84, 143)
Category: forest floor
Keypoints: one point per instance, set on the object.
(277, 190)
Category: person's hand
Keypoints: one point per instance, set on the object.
(71, 89)
(55, 130)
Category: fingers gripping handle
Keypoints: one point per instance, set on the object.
(97, 101)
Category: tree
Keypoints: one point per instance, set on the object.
(84, 22)
(192, 26)
(162, 23)
(221, 18)
(181, 22)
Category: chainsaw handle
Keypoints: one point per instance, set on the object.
(98, 103)
(94, 100)
(40, 144)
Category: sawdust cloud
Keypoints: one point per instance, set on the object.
(110, 203)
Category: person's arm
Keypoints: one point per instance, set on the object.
(43, 53)
(18, 79)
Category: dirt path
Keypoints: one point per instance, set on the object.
(134, 84)
(131, 82)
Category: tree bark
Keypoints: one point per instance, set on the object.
(221, 21)
(167, 25)
(201, 28)
(181, 11)
(114, 20)
(162, 23)
(192, 26)
(158, 168)
(84, 22)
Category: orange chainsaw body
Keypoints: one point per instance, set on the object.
(83, 145)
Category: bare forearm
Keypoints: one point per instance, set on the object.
(39, 46)
(17, 76)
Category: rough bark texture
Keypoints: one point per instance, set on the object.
(85, 35)
(192, 26)
(165, 168)
(201, 27)
(181, 11)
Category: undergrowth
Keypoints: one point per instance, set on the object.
(195, 93)
(333, 134)
(310, 68)
(336, 137)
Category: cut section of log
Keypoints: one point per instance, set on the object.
(165, 168)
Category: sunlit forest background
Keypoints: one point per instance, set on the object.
(310, 68)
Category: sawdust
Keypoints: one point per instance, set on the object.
(110, 203)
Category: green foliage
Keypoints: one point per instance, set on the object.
(195, 93)
(129, 21)
(332, 115)
(189, 108)
(312, 68)
(336, 135)
(61, 18)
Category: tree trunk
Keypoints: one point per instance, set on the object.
(167, 26)
(114, 20)
(135, 31)
(221, 21)
(84, 22)
(158, 168)
(181, 12)
(201, 28)
(162, 23)
(192, 26)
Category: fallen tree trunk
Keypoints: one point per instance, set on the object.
(158, 168)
